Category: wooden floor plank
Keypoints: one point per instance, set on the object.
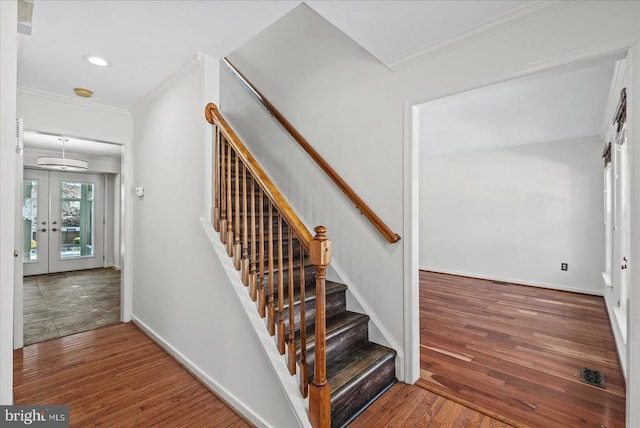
(116, 376)
(410, 406)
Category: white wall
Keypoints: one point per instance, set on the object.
(298, 71)
(515, 214)
(181, 292)
(58, 115)
(352, 110)
(8, 79)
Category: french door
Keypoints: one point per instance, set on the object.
(62, 221)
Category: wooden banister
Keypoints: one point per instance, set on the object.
(213, 116)
(360, 204)
(240, 187)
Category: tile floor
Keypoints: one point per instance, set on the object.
(61, 304)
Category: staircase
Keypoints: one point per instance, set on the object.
(283, 267)
(358, 371)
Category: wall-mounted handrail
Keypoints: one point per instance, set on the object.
(360, 204)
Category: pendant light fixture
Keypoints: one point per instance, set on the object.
(62, 163)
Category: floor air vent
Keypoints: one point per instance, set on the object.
(592, 377)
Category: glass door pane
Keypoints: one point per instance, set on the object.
(30, 220)
(77, 221)
(77, 212)
(35, 222)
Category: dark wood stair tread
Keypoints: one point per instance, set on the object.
(357, 379)
(310, 292)
(356, 364)
(309, 278)
(336, 325)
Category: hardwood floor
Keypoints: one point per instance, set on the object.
(116, 376)
(507, 351)
(515, 352)
(409, 406)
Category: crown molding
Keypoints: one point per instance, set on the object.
(71, 100)
(494, 26)
(195, 59)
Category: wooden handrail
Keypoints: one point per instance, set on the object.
(213, 116)
(360, 204)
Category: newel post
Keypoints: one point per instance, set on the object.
(319, 390)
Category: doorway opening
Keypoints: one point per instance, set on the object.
(70, 225)
(514, 201)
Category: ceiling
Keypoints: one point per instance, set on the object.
(390, 30)
(557, 105)
(146, 42)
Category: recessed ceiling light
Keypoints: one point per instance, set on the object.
(96, 60)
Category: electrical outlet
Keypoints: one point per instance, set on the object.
(564, 266)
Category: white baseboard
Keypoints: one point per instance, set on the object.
(199, 374)
(113, 266)
(516, 281)
(619, 336)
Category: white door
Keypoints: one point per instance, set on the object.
(35, 222)
(63, 221)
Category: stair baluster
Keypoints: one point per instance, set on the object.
(216, 173)
(236, 238)
(262, 302)
(281, 331)
(229, 237)
(291, 344)
(244, 262)
(252, 272)
(303, 366)
(271, 319)
(223, 190)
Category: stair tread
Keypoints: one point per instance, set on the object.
(354, 365)
(310, 292)
(336, 325)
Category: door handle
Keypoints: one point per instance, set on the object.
(54, 229)
(44, 229)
